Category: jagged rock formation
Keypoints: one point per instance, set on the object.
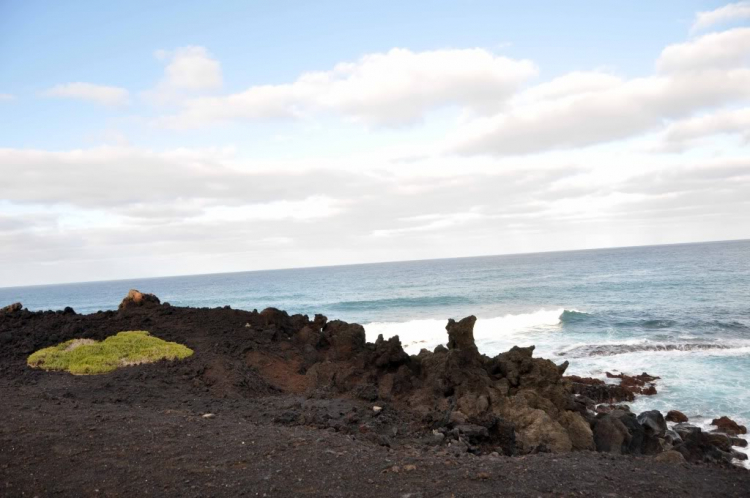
(455, 386)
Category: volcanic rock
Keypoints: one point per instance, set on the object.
(653, 422)
(601, 392)
(637, 384)
(729, 426)
(611, 435)
(11, 308)
(676, 416)
(136, 298)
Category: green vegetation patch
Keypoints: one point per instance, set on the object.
(88, 357)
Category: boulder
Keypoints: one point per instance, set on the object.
(697, 447)
(672, 437)
(11, 308)
(685, 428)
(579, 431)
(638, 440)
(738, 441)
(721, 441)
(610, 435)
(653, 423)
(136, 299)
(676, 416)
(729, 426)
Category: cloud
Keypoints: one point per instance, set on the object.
(189, 70)
(4, 97)
(725, 14)
(728, 49)
(430, 222)
(681, 134)
(125, 211)
(587, 108)
(110, 96)
(145, 181)
(311, 208)
(382, 89)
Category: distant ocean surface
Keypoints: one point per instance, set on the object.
(681, 312)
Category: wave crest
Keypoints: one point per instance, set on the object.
(428, 333)
(587, 350)
(574, 316)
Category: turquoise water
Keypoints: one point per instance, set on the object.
(681, 312)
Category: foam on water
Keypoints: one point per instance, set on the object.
(429, 333)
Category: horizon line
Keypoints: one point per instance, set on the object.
(377, 263)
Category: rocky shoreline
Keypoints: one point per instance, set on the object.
(319, 380)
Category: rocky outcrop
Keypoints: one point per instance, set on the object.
(729, 426)
(601, 392)
(711, 447)
(11, 308)
(136, 299)
(637, 384)
(518, 400)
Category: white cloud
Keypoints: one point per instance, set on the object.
(431, 222)
(725, 14)
(100, 94)
(680, 134)
(587, 108)
(189, 70)
(124, 211)
(726, 49)
(311, 208)
(6, 97)
(384, 89)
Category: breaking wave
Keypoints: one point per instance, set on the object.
(642, 346)
(428, 333)
(574, 316)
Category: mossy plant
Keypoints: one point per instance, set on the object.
(87, 357)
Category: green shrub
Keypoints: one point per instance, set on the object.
(85, 356)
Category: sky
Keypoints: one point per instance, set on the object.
(154, 138)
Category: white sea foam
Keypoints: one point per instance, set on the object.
(418, 334)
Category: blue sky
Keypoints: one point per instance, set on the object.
(156, 138)
(44, 43)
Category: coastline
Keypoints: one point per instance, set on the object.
(303, 391)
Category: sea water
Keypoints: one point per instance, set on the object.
(681, 312)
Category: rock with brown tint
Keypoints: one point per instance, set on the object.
(346, 340)
(636, 384)
(599, 391)
(11, 308)
(676, 416)
(729, 426)
(461, 335)
(136, 299)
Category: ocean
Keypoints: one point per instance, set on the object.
(681, 312)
